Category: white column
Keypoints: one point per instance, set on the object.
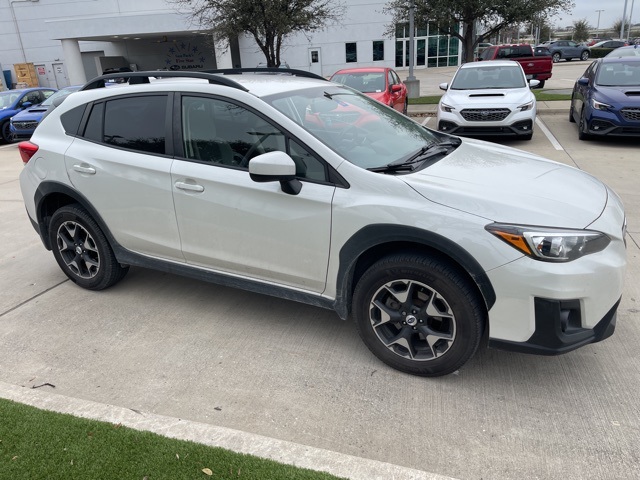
(73, 61)
(223, 58)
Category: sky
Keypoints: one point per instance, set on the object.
(586, 9)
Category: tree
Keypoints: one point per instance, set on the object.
(479, 19)
(581, 30)
(267, 21)
(618, 25)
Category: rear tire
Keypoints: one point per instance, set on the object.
(541, 84)
(418, 314)
(584, 56)
(556, 57)
(82, 250)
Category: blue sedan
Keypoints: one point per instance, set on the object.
(14, 101)
(24, 123)
(606, 99)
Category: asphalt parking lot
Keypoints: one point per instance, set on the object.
(172, 346)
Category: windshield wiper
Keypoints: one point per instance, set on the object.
(425, 153)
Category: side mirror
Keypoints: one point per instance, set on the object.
(275, 167)
(534, 83)
(443, 86)
(583, 81)
(26, 105)
(395, 88)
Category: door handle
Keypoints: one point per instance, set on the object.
(189, 186)
(83, 169)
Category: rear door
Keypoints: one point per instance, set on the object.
(121, 166)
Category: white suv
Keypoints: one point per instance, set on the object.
(489, 98)
(293, 186)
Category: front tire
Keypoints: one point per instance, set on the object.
(5, 132)
(556, 57)
(82, 250)
(405, 109)
(582, 127)
(418, 314)
(584, 56)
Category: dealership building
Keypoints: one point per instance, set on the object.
(71, 41)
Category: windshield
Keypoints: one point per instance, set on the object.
(622, 74)
(366, 82)
(363, 131)
(60, 93)
(7, 98)
(489, 76)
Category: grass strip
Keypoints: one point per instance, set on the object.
(38, 444)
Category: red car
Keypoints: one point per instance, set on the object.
(380, 83)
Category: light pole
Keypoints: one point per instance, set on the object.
(412, 83)
(624, 18)
(598, 27)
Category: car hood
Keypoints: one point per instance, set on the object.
(511, 186)
(379, 96)
(487, 97)
(619, 95)
(29, 115)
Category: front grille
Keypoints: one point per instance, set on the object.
(25, 125)
(485, 114)
(631, 114)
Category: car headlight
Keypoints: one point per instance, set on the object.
(446, 108)
(526, 106)
(550, 244)
(599, 105)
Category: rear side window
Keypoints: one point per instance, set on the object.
(135, 123)
(71, 120)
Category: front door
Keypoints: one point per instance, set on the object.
(232, 224)
(315, 61)
(61, 76)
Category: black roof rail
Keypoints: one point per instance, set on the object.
(143, 77)
(271, 70)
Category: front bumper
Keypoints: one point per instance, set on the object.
(558, 331)
(515, 124)
(609, 123)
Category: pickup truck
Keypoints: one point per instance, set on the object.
(536, 64)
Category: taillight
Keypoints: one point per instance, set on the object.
(27, 150)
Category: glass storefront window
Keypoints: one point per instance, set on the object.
(420, 52)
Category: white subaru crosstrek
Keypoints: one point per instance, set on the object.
(297, 187)
(489, 98)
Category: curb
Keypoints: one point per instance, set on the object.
(302, 456)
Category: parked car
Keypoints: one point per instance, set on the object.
(630, 51)
(23, 124)
(481, 47)
(536, 66)
(488, 98)
(593, 41)
(567, 50)
(15, 101)
(606, 99)
(610, 44)
(380, 83)
(293, 186)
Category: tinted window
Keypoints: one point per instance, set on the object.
(378, 50)
(137, 123)
(71, 120)
(351, 52)
(93, 130)
(227, 134)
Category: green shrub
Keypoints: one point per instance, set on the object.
(600, 52)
